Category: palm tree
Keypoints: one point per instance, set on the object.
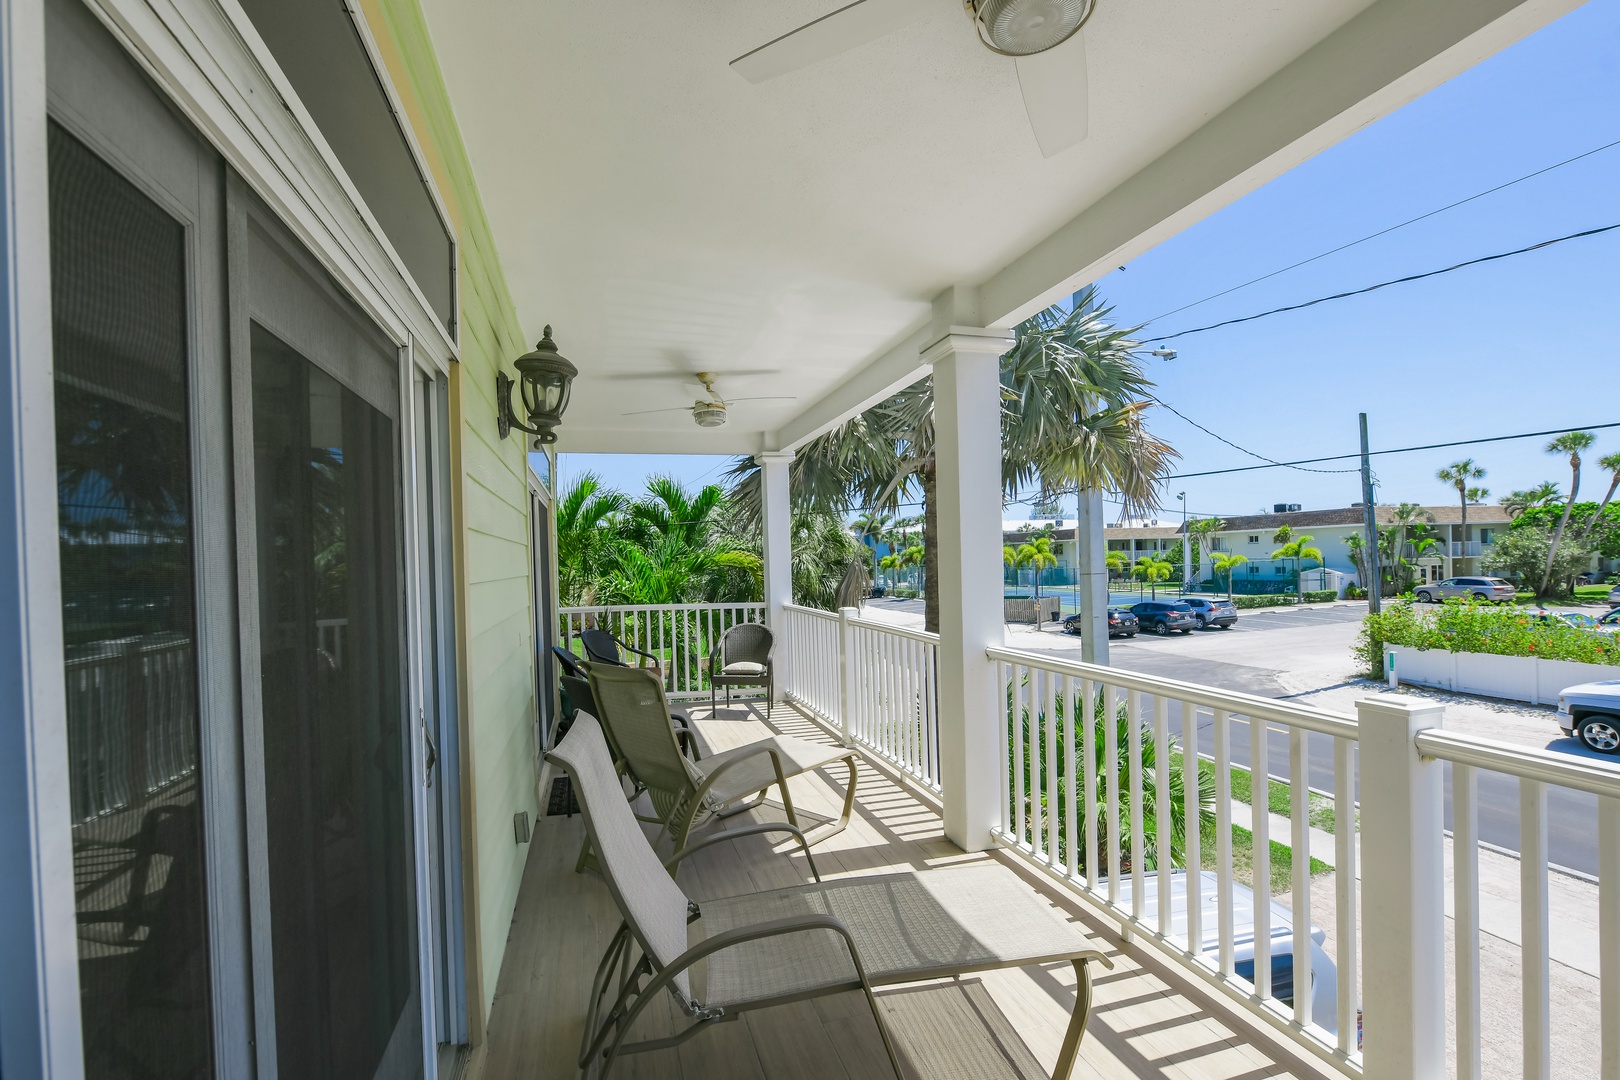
(1298, 550)
(1201, 531)
(1073, 394)
(1571, 443)
(1224, 563)
(1460, 474)
(1115, 561)
(1611, 463)
(1518, 502)
(870, 528)
(1016, 557)
(586, 516)
(1153, 569)
(1039, 555)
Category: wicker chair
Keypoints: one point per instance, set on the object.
(602, 647)
(804, 941)
(742, 657)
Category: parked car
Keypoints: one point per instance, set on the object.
(1163, 616)
(1493, 589)
(1324, 975)
(1121, 623)
(1614, 597)
(1579, 620)
(1610, 623)
(1591, 711)
(1221, 613)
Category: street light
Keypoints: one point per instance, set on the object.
(1165, 354)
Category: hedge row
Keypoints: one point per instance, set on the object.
(1473, 627)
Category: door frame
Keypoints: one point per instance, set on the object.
(39, 983)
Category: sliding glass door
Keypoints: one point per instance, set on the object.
(261, 847)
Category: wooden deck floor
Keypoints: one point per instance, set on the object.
(1000, 1024)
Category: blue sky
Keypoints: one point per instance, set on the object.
(1521, 344)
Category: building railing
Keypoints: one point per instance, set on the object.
(1087, 834)
(875, 682)
(132, 716)
(1467, 549)
(1537, 772)
(680, 636)
(1324, 789)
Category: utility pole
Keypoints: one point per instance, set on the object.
(1186, 546)
(1370, 510)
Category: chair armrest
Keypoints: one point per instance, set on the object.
(672, 864)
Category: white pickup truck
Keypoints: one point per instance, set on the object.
(1591, 712)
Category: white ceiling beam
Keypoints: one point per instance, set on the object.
(1393, 52)
(580, 439)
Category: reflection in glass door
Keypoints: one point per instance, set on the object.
(119, 286)
(326, 508)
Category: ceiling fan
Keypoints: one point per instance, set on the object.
(1042, 36)
(710, 412)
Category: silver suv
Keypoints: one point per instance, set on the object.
(1480, 588)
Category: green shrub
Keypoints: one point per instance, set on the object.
(1319, 596)
(1267, 600)
(1354, 592)
(1473, 627)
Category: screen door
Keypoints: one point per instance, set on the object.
(319, 457)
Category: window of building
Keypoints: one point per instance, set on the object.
(1254, 539)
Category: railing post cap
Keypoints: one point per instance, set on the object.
(1415, 712)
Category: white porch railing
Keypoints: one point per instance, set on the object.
(132, 711)
(1372, 782)
(1537, 772)
(680, 636)
(1087, 834)
(875, 682)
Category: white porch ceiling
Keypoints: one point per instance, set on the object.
(666, 216)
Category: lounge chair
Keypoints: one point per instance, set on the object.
(577, 685)
(742, 657)
(785, 945)
(687, 793)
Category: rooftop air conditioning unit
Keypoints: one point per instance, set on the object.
(1285, 508)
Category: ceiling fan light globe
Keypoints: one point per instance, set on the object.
(708, 414)
(1027, 27)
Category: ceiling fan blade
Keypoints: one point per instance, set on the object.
(768, 397)
(840, 31)
(1055, 93)
(649, 412)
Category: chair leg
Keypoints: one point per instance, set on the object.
(1077, 1021)
(770, 695)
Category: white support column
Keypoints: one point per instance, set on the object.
(1092, 575)
(776, 524)
(1403, 893)
(967, 494)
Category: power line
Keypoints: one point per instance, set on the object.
(1235, 446)
(1386, 231)
(1396, 450)
(1385, 284)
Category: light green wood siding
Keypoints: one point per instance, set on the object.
(496, 625)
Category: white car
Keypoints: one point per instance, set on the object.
(1324, 975)
(1591, 711)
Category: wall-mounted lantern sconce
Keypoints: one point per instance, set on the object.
(545, 377)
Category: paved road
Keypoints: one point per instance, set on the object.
(1571, 829)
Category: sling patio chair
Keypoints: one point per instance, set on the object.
(577, 685)
(686, 793)
(742, 657)
(792, 944)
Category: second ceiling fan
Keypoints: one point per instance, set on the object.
(1042, 37)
